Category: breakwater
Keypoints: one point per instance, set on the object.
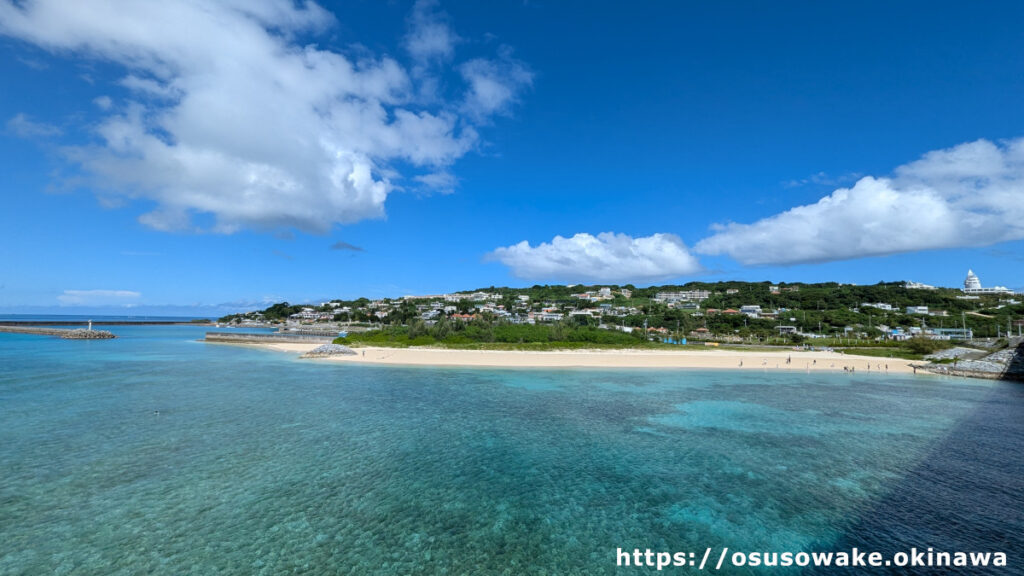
(329, 350)
(1005, 364)
(65, 333)
(275, 338)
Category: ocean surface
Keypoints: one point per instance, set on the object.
(158, 454)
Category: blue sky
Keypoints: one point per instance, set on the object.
(163, 157)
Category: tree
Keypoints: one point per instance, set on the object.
(442, 328)
(922, 345)
(417, 328)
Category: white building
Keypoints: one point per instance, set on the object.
(972, 282)
(917, 310)
(685, 296)
(752, 310)
(972, 285)
(474, 297)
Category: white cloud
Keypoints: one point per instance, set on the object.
(235, 118)
(443, 182)
(103, 102)
(823, 179)
(968, 195)
(125, 298)
(430, 38)
(494, 84)
(24, 127)
(607, 257)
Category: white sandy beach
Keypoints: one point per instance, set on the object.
(699, 358)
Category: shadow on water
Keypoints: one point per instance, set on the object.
(968, 495)
(1015, 370)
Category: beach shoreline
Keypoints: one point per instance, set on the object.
(816, 361)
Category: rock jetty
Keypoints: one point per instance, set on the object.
(83, 334)
(1005, 364)
(328, 350)
(66, 333)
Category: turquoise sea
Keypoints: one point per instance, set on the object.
(158, 454)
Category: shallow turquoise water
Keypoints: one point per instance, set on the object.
(259, 463)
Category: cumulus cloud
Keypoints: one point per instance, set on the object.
(231, 115)
(968, 195)
(24, 127)
(607, 257)
(99, 298)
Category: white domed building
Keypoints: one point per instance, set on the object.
(972, 282)
(972, 285)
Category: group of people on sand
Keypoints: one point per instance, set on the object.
(878, 367)
(849, 369)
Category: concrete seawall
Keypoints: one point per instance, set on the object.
(241, 338)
